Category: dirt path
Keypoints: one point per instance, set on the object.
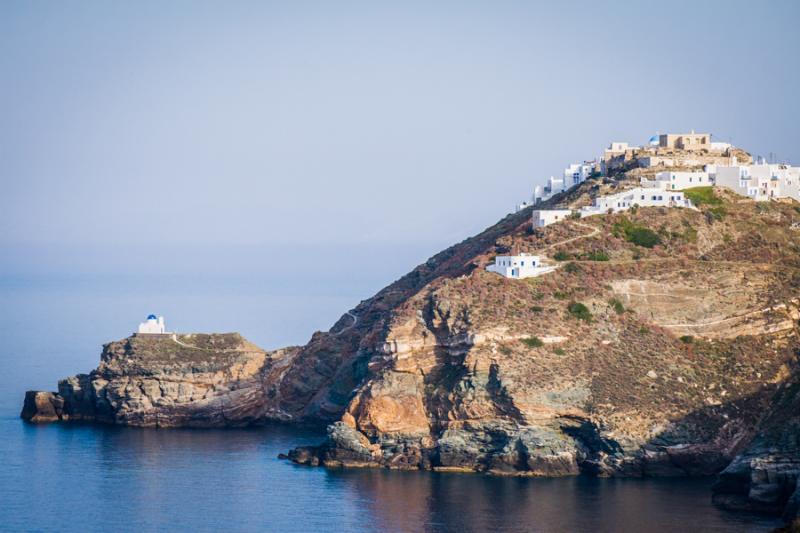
(594, 231)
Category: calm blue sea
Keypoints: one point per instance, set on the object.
(58, 307)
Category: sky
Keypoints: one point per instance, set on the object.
(310, 126)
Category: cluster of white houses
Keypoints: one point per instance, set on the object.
(722, 166)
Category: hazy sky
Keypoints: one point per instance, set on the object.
(202, 123)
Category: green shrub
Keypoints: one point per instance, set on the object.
(558, 295)
(505, 350)
(596, 255)
(643, 331)
(537, 308)
(559, 351)
(702, 196)
(718, 213)
(575, 215)
(644, 237)
(687, 339)
(638, 235)
(616, 305)
(532, 342)
(572, 268)
(579, 311)
(562, 256)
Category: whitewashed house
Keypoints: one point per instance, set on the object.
(523, 205)
(519, 266)
(639, 196)
(553, 186)
(676, 181)
(152, 326)
(573, 175)
(578, 173)
(545, 217)
(720, 146)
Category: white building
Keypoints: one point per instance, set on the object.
(153, 326)
(676, 181)
(720, 146)
(578, 173)
(522, 206)
(554, 186)
(573, 175)
(545, 217)
(639, 196)
(761, 182)
(519, 266)
(617, 148)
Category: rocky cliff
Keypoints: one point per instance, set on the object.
(670, 355)
(198, 380)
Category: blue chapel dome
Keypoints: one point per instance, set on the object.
(653, 140)
(152, 317)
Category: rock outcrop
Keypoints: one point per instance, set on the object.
(765, 477)
(198, 380)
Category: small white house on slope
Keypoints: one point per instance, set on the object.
(519, 266)
(545, 217)
(639, 196)
(677, 181)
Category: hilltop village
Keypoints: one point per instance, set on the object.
(671, 168)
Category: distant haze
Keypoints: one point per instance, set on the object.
(250, 123)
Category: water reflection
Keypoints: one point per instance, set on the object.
(418, 501)
(78, 478)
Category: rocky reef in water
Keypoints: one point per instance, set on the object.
(679, 359)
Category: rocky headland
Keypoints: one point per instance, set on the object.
(193, 380)
(675, 359)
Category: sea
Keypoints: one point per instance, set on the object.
(58, 305)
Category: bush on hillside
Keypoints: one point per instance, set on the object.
(579, 311)
(596, 255)
(533, 342)
(638, 235)
(617, 306)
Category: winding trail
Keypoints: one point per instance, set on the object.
(594, 231)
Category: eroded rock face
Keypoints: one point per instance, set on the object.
(689, 344)
(42, 407)
(765, 477)
(188, 381)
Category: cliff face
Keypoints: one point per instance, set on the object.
(676, 359)
(192, 380)
(686, 352)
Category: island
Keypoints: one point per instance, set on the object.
(650, 334)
